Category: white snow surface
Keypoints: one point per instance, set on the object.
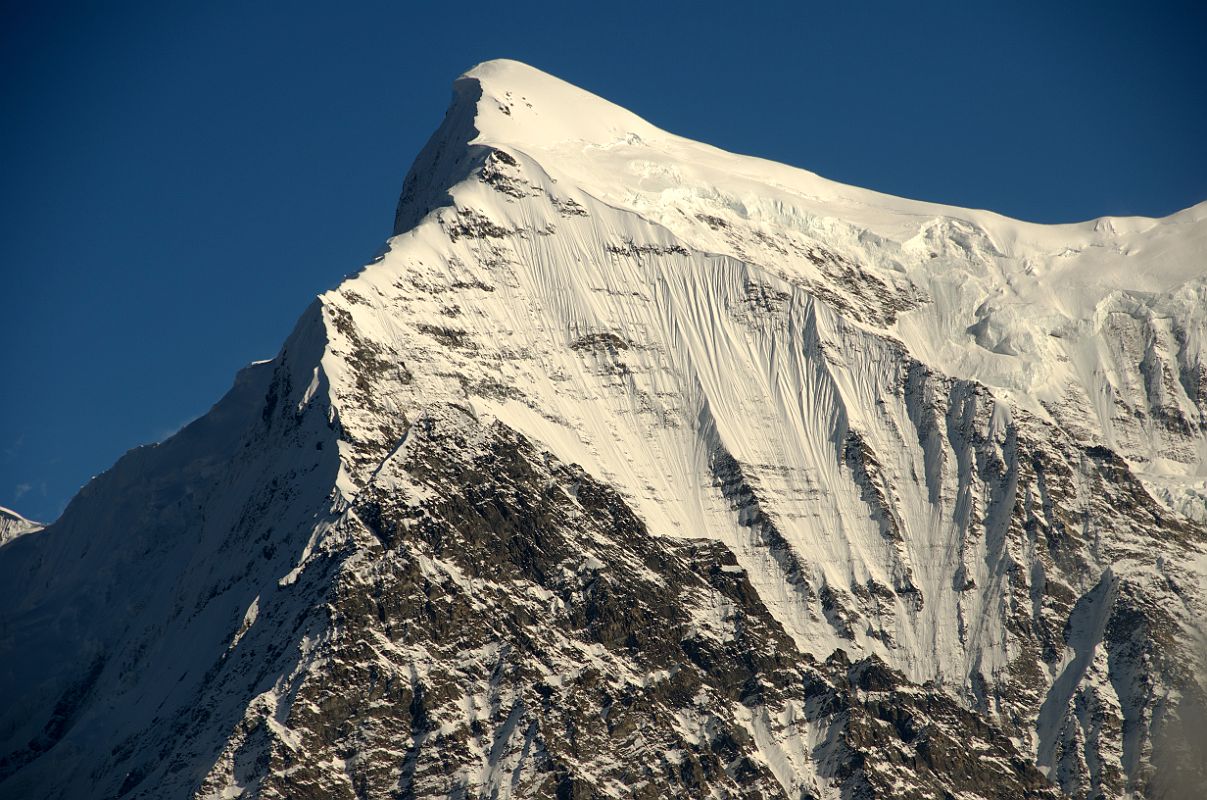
(1022, 284)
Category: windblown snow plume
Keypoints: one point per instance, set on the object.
(635, 468)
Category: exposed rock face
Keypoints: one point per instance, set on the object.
(636, 469)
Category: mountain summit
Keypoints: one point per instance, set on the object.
(635, 468)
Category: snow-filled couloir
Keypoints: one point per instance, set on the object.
(635, 466)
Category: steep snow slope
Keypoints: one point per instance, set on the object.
(953, 465)
(714, 310)
(1044, 311)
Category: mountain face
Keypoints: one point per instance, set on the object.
(634, 468)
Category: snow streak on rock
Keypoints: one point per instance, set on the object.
(13, 525)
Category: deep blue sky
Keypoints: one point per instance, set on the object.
(176, 183)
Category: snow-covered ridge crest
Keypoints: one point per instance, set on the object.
(514, 104)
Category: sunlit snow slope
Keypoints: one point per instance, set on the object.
(968, 450)
(722, 338)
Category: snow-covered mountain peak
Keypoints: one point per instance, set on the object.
(620, 158)
(1016, 306)
(528, 108)
(635, 467)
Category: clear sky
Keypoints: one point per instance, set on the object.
(178, 180)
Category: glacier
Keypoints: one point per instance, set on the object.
(636, 468)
